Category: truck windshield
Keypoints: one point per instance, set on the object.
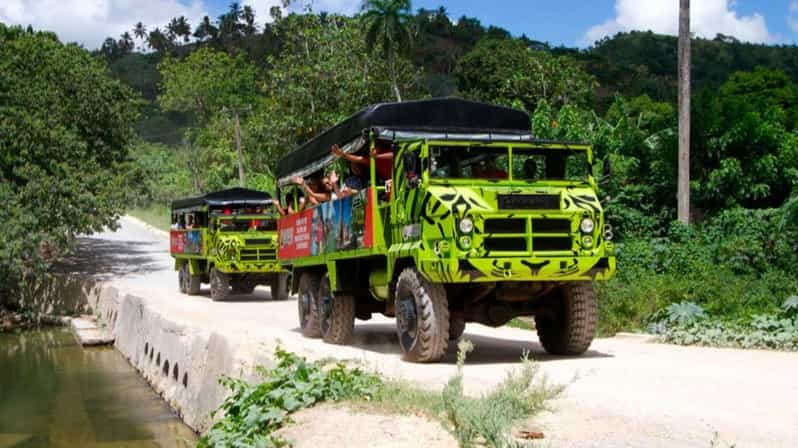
(492, 163)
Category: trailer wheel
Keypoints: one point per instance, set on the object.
(279, 286)
(182, 273)
(307, 305)
(456, 328)
(220, 285)
(570, 329)
(422, 317)
(336, 315)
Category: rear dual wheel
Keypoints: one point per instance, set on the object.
(336, 315)
(307, 305)
(189, 284)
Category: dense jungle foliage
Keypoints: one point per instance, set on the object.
(65, 130)
(291, 78)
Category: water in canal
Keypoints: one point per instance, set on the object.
(53, 393)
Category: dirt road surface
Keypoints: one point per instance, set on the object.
(625, 392)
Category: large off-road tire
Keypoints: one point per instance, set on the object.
(279, 286)
(182, 273)
(336, 315)
(456, 328)
(220, 285)
(307, 305)
(422, 317)
(570, 327)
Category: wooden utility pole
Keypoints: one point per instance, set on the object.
(242, 178)
(683, 190)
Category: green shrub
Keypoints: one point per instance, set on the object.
(734, 266)
(687, 324)
(253, 412)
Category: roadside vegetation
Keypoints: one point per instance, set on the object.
(252, 413)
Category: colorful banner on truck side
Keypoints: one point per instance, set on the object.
(187, 242)
(332, 226)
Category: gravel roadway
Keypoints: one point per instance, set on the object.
(625, 391)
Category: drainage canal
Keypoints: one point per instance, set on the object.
(55, 393)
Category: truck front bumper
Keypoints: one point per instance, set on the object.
(498, 269)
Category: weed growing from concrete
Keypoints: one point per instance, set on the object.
(252, 413)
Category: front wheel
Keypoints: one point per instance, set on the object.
(307, 305)
(220, 285)
(279, 286)
(570, 327)
(422, 317)
(337, 315)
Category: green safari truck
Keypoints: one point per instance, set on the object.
(474, 220)
(228, 239)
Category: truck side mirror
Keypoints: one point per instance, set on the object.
(411, 164)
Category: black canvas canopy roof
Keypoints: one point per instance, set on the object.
(451, 115)
(233, 196)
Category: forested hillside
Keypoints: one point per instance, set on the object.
(289, 79)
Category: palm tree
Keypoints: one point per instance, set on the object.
(171, 30)
(157, 40)
(126, 43)
(206, 29)
(140, 31)
(183, 28)
(248, 15)
(388, 26)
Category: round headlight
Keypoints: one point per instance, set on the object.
(587, 225)
(466, 225)
(587, 242)
(465, 242)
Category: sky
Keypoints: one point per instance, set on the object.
(559, 22)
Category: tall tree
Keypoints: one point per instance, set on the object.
(389, 27)
(65, 126)
(126, 44)
(183, 28)
(206, 30)
(157, 40)
(248, 16)
(140, 31)
(683, 193)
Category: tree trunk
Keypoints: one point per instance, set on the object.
(242, 179)
(683, 191)
(392, 74)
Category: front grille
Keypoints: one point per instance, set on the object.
(258, 255)
(549, 244)
(505, 225)
(551, 226)
(529, 202)
(258, 242)
(505, 244)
